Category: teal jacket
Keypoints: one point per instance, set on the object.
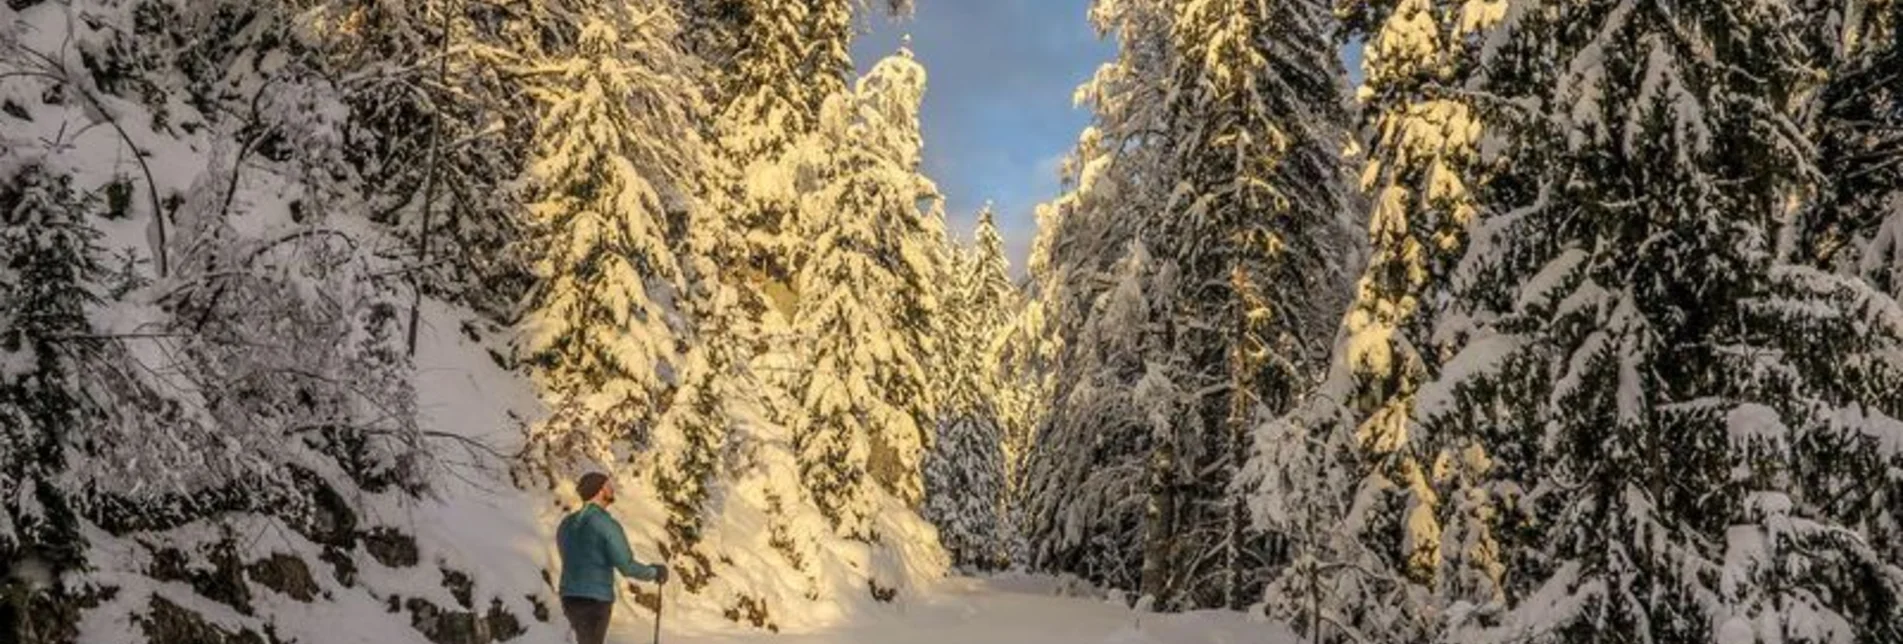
(593, 547)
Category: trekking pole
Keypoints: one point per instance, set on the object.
(660, 599)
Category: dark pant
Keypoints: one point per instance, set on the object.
(589, 618)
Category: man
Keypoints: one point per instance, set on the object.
(592, 548)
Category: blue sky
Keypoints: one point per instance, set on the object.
(997, 116)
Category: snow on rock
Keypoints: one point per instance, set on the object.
(472, 528)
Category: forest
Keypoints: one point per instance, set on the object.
(1488, 321)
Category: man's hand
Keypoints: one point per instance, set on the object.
(660, 574)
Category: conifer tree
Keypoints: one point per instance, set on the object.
(1220, 126)
(869, 301)
(771, 66)
(602, 333)
(1347, 479)
(1022, 398)
(46, 290)
(1083, 496)
(1008, 354)
(1679, 407)
(965, 471)
(1255, 223)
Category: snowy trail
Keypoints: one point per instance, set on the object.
(970, 611)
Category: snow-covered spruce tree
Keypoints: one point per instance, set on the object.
(1347, 480)
(1699, 423)
(1128, 391)
(1008, 358)
(771, 65)
(776, 63)
(616, 149)
(1083, 498)
(1255, 223)
(868, 304)
(689, 439)
(1859, 118)
(48, 285)
(1017, 350)
(964, 471)
(912, 244)
(993, 297)
(712, 387)
(1856, 223)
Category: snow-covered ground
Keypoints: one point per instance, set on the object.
(980, 611)
(462, 392)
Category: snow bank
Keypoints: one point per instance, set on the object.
(1006, 610)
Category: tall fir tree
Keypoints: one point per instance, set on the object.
(1084, 499)
(965, 471)
(716, 391)
(1008, 353)
(1858, 212)
(47, 289)
(1255, 224)
(772, 65)
(602, 331)
(992, 295)
(1222, 125)
(868, 304)
(1350, 483)
(1673, 403)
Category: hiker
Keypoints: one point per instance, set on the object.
(592, 548)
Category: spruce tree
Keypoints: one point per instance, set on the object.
(1020, 372)
(1347, 479)
(1007, 354)
(1255, 224)
(771, 67)
(1083, 496)
(1220, 125)
(47, 287)
(868, 304)
(1662, 408)
(602, 334)
(965, 470)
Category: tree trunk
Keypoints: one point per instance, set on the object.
(1159, 531)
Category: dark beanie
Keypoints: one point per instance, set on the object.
(590, 485)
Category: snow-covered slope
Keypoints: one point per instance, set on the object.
(245, 445)
(461, 564)
(481, 516)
